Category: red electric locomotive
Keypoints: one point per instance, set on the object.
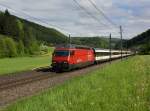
(72, 57)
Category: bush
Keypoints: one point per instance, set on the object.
(11, 49)
(43, 49)
(145, 49)
(34, 48)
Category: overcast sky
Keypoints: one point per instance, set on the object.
(68, 17)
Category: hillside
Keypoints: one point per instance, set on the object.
(49, 35)
(42, 33)
(19, 37)
(141, 42)
(99, 42)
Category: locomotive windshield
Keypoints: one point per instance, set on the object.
(61, 53)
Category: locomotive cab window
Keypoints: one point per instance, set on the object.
(61, 53)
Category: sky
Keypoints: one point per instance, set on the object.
(68, 17)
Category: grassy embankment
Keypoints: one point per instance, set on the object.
(12, 65)
(121, 86)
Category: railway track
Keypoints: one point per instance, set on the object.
(12, 83)
(18, 82)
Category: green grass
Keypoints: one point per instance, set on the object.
(12, 65)
(121, 86)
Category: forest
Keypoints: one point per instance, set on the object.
(19, 37)
(140, 43)
(98, 42)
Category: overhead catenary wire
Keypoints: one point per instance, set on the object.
(96, 18)
(90, 14)
(102, 13)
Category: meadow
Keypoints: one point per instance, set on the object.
(13, 65)
(120, 86)
(19, 64)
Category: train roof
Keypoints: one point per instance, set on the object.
(108, 50)
(73, 46)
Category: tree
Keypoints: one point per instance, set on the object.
(1, 22)
(11, 50)
(20, 48)
(7, 12)
(2, 48)
(21, 30)
(145, 48)
(34, 48)
(10, 26)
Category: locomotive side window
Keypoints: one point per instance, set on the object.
(61, 53)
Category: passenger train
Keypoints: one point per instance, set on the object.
(70, 57)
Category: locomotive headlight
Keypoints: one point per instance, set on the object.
(65, 62)
(54, 62)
